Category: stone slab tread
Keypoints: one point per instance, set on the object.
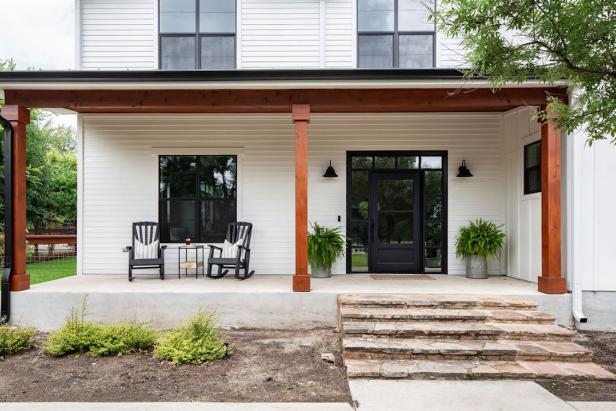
(457, 330)
(461, 370)
(359, 313)
(428, 300)
(397, 348)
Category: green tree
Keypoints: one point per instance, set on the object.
(548, 40)
(51, 173)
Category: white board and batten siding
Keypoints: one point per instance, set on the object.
(120, 174)
(271, 34)
(117, 34)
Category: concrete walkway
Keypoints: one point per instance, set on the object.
(383, 395)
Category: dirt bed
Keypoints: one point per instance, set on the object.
(603, 346)
(267, 366)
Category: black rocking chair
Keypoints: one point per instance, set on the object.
(236, 232)
(146, 251)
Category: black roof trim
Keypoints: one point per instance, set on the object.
(79, 76)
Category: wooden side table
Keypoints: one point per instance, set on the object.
(188, 263)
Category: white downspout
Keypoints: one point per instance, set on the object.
(574, 148)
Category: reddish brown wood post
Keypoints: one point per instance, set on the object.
(301, 118)
(19, 117)
(551, 280)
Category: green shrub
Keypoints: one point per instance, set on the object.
(325, 245)
(481, 237)
(15, 339)
(79, 336)
(197, 342)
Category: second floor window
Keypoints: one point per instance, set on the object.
(197, 34)
(395, 33)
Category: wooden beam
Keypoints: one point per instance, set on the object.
(280, 101)
(19, 117)
(551, 280)
(301, 118)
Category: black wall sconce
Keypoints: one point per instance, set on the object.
(463, 171)
(330, 172)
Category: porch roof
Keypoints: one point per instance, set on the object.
(268, 91)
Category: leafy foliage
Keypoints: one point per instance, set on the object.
(481, 237)
(51, 169)
(197, 342)
(548, 40)
(78, 336)
(15, 339)
(325, 245)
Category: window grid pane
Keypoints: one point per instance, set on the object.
(416, 50)
(375, 15)
(414, 15)
(177, 16)
(177, 53)
(376, 51)
(218, 52)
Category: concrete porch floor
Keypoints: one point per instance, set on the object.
(263, 301)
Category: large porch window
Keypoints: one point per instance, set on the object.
(197, 197)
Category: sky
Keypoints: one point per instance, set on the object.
(40, 35)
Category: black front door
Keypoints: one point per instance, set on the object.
(395, 221)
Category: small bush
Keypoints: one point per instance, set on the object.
(15, 339)
(197, 342)
(79, 336)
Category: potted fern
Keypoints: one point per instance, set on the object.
(476, 242)
(325, 245)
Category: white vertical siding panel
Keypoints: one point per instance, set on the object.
(524, 211)
(340, 33)
(118, 34)
(280, 34)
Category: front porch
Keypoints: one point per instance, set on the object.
(265, 301)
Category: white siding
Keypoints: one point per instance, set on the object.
(340, 34)
(280, 34)
(120, 173)
(118, 34)
(524, 211)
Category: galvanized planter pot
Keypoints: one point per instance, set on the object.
(476, 267)
(318, 272)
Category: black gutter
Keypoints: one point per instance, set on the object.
(5, 305)
(78, 76)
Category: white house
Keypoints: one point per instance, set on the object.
(196, 113)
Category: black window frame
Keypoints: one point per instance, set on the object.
(198, 36)
(395, 37)
(528, 168)
(201, 237)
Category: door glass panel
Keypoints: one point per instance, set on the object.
(395, 211)
(433, 221)
(359, 246)
(385, 162)
(359, 195)
(408, 162)
(432, 162)
(362, 162)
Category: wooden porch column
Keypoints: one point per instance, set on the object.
(301, 118)
(551, 280)
(19, 117)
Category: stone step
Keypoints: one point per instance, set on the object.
(457, 330)
(459, 370)
(435, 301)
(359, 313)
(438, 349)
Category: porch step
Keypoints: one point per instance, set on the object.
(478, 369)
(503, 350)
(434, 301)
(360, 313)
(457, 330)
(457, 337)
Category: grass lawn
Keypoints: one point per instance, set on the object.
(52, 270)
